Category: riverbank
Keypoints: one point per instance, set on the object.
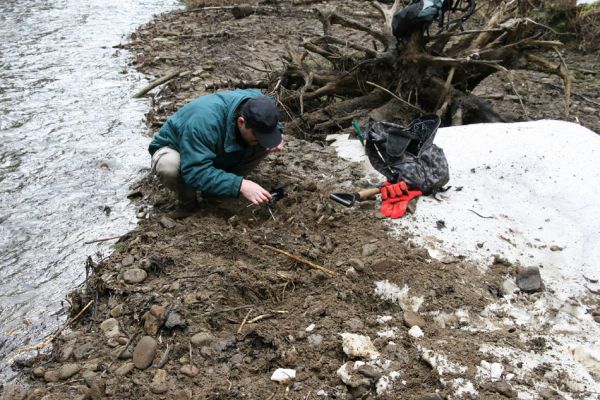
(206, 308)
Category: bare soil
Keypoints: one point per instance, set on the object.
(216, 274)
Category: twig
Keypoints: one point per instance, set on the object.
(479, 215)
(512, 84)
(53, 337)
(301, 260)
(102, 240)
(165, 358)
(155, 83)
(244, 321)
(256, 319)
(397, 97)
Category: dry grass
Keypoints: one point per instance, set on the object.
(588, 27)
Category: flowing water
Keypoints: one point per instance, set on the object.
(71, 142)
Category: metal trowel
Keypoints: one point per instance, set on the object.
(348, 199)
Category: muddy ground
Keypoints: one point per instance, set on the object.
(219, 310)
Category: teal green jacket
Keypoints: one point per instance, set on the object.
(205, 135)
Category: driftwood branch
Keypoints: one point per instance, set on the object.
(155, 83)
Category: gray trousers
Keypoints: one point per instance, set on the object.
(166, 162)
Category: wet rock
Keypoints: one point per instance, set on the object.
(174, 320)
(189, 370)
(411, 319)
(202, 339)
(160, 383)
(134, 275)
(127, 261)
(358, 346)
(167, 222)
(125, 369)
(51, 376)
(68, 370)
(529, 280)
(154, 319)
(110, 327)
(144, 352)
(369, 249)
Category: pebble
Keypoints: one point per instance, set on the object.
(110, 327)
(51, 376)
(144, 352)
(38, 372)
(159, 383)
(66, 352)
(416, 332)
(127, 261)
(154, 319)
(189, 370)
(357, 264)
(167, 222)
(134, 275)
(68, 370)
(369, 249)
(411, 319)
(283, 375)
(529, 279)
(174, 320)
(202, 339)
(125, 369)
(358, 346)
(117, 311)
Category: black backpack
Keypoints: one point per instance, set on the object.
(408, 153)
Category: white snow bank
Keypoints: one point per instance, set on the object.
(529, 193)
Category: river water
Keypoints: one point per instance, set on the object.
(72, 141)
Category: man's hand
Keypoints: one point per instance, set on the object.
(254, 192)
(277, 148)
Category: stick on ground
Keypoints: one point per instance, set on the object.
(301, 260)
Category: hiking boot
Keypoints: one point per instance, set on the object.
(184, 210)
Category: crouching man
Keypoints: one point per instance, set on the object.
(211, 143)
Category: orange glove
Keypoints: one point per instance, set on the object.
(396, 207)
(392, 190)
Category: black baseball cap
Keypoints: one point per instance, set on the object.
(262, 116)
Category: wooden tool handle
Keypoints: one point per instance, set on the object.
(367, 193)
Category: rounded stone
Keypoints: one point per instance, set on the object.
(202, 339)
(134, 275)
(160, 382)
(125, 369)
(68, 370)
(189, 370)
(144, 352)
